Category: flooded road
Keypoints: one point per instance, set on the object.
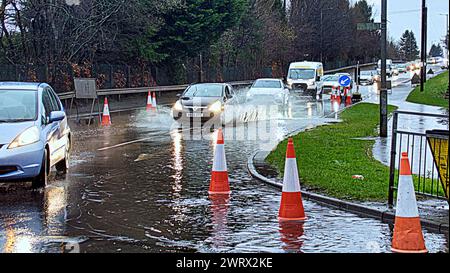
(141, 185)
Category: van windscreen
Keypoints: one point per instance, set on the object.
(301, 74)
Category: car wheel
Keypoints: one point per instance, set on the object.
(40, 181)
(63, 165)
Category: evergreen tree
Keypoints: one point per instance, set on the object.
(408, 46)
(436, 51)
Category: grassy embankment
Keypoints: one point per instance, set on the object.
(433, 94)
(328, 156)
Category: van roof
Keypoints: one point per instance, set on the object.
(306, 64)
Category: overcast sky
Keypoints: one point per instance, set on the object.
(405, 14)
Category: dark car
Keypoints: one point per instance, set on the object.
(204, 101)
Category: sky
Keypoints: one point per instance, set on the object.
(405, 14)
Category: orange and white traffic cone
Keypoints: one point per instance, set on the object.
(219, 175)
(348, 97)
(291, 207)
(408, 236)
(106, 118)
(154, 100)
(333, 96)
(149, 101)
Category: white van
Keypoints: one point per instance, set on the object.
(389, 68)
(306, 76)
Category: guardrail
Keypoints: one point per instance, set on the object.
(172, 88)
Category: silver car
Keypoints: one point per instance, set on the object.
(34, 135)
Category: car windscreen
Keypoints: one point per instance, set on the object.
(331, 79)
(301, 74)
(266, 84)
(18, 105)
(204, 90)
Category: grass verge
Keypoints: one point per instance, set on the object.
(434, 90)
(329, 155)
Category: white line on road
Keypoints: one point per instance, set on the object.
(124, 144)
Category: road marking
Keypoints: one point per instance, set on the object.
(140, 140)
(124, 144)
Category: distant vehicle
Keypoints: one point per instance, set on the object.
(205, 101)
(269, 90)
(395, 70)
(330, 82)
(34, 135)
(305, 76)
(389, 70)
(402, 68)
(367, 77)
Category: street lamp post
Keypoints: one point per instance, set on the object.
(448, 50)
(321, 32)
(383, 89)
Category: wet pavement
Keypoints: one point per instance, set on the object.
(141, 186)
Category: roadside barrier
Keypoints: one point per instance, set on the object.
(408, 236)
(291, 206)
(149, 101)
(106, 118)
(219, 175)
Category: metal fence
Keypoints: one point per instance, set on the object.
(427, 151)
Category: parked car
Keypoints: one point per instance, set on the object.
(367, 77)
(270, 90)
(204, 101)
(35, 135)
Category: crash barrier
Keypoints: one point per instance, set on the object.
(173, 88)
(428, 152)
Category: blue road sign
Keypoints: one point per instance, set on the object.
(344, 81)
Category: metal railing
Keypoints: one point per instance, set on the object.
(424, 166)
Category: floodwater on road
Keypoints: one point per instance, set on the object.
(141, 185)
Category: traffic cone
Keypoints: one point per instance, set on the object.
(332, 97)
(408, 236)
(106, 118)
(154, 100)
(291, 207)
(219, 175)
(348, 98)
(149, 101)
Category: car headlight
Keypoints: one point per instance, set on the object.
(289, 81)
(178, 106)
(311, 82)
(27, 137)
(216, 107)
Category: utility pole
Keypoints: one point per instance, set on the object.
(321, 35)
(383, 89)
(423, 50)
